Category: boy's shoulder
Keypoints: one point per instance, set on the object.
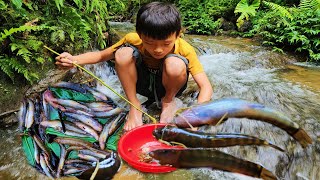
(132, 35)
(183, 46)
(133, 38)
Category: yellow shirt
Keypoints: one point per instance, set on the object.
(181, 47)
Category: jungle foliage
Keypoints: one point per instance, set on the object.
(283, 25)
(64, 25)
(289, 28)
(79, 25)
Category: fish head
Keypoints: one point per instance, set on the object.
(165, 156)
(108, 167)
(166, 133)
(157, 133)
(186, 115)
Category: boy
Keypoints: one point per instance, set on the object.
(154, 62)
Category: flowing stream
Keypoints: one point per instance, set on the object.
(237, 68)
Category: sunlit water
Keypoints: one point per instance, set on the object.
(236, 68)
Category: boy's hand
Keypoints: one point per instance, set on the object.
(65, 60)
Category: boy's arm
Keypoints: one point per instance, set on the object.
(65, 59)
(205, 87)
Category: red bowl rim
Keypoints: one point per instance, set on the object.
(142, 166)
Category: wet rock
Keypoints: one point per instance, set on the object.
(245, 26)
(8, 121)
(227, 25)
(53, 76)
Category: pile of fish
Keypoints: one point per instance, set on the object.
(64, 137)
(198, 147)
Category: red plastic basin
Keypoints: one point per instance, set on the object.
(139, 141)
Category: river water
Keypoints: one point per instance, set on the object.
(237, 68)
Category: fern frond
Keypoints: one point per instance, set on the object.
(6, 33)
(21, 69)
(3, 5)
(309, 4)
(275, 7)
(5, 66)
(78, 3)
(59, 4)
(25, 54)
(40, 60)
(17, 3)
(34, 44)
(57, 36)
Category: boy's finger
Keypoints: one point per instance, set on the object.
(64, 60)
(63, 64)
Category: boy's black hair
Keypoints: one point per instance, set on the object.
(158, 20)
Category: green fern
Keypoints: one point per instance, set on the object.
(59, 4)
(58, 36)
(5, 67)
(78, 3)
(3, 5)
(17, 3)
(275, 7)
(309, 4)
(6, 33)
(34, 44)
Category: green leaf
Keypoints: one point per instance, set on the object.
(246, 10)
(55, 147)
(78, 3)
(3, 5)
(40, 60)
(275, 7)
(17, 3)
(276, 49)
(59, 4)
(28, 148)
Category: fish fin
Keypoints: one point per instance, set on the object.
(181, 110)
(302, 137)
(62, 118)
(177, 143)
(267, 175)
(275, 147)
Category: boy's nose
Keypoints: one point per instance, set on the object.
(158, 50)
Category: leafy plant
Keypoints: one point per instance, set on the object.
(196, 20)
(309, 4)
(246, 10)
(64, 25)
(293, 28)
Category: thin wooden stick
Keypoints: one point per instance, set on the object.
(7, 113)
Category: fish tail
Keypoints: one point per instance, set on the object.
(267, 175)
(274, 146)
(302, 137)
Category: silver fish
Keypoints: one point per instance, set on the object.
(22, 115)
(212, 112)
(30, 114)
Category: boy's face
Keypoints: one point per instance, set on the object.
(158, 49)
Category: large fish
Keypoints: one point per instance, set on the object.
(211, 158)
(108, 167)
(200, 139)
(212, 112)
